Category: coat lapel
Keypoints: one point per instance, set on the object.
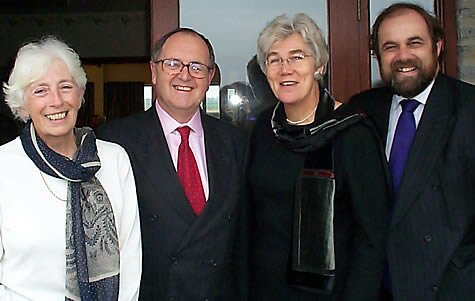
(219, 165)
(217, 161)
(431, 137)
(380, 109)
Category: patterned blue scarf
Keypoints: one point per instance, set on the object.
(92, 246)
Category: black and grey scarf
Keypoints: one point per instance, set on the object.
(92, 246)
(312, 263)
(307, 138)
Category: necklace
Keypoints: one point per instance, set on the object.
(49, 188)
(302, 120)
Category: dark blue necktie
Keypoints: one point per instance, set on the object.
(403, 137)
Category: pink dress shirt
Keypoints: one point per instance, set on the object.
(197, 141)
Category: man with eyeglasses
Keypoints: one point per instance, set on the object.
(189, 172)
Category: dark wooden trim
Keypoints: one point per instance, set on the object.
(348, 40)
(364, 49)
(447, 12)
(164, 16)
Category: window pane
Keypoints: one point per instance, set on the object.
(233, 27)
(212, 101)
(147, 97)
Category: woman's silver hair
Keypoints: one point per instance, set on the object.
(282, 27)
(32, 63)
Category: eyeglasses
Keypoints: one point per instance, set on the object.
(175, 66)
(273, 63)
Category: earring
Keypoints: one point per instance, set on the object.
(318, 75)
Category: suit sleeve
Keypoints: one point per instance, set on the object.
(107, 132)
(362, 161)
(129, 236)
(241, 246)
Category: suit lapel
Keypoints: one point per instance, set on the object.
(380, 109)
(218, 165)
(218, 162)
(431, 137)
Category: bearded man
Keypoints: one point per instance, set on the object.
(426, 123)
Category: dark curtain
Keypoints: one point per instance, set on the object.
(122, 99)
(86, 112)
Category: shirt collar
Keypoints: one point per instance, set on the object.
(169, 124)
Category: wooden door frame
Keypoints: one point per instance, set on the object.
(165, 16)
(447, 12)
(348, 41)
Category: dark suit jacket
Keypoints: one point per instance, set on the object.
(8, 129)
(187, 257)
(431, 239)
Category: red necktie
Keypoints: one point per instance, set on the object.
(188, 173)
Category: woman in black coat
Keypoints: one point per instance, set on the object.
(317, 181)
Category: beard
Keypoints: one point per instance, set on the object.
(410, 86)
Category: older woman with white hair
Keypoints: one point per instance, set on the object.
(69, 224)
(316, 177)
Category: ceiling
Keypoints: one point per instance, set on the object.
(71, 6)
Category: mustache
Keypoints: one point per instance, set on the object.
(406, 63)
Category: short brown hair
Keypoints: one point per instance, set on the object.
(435, 28)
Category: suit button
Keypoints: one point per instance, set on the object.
(174, 260)
(435, 288)
(230, 217)
(435, 187)
(396, 243)
(213, 262)
(154, 217)
(171, 298)
(427, 238)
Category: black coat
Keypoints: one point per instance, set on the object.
(360, 206)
